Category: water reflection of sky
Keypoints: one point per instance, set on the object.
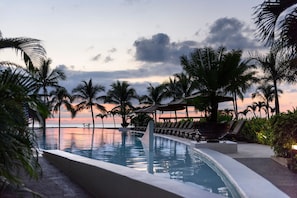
(169, 159)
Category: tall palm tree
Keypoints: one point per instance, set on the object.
(48, 78)
(30, 49)
(60, 96)
(211, 77)
(276, 68)
(121, 94)
(276, 20)
(243, 76)
(87, 94)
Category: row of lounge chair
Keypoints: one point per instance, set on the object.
(185, 129)
(190, 130)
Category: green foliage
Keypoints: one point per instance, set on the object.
(224, 118)
(284, 132)
(17, 142)
(187, 120)
(257, 130)
(141, 119)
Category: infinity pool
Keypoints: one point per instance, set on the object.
(169, 158)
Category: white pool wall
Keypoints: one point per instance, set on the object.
(102, 179)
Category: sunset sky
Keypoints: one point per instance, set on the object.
(135, 40)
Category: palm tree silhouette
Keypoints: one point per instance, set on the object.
(277, 21)
(211, 76)
(276, 67)
(266, 93)
(155, 95)
(243, 76)
(31, 50)
(101, 115)
(47, 78)
(253, 108)
(60, 96)
(87, 94)
(121, 94)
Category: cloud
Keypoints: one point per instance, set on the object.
(74, 77)
(108, 59)
(96, 58)
(159, 49)
(112, 50)
(161, 57)
(154, 49)
(231, 33)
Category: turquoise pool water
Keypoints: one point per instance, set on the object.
(169, 158)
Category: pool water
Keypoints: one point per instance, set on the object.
(168, 159)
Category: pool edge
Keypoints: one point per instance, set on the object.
(118, 181)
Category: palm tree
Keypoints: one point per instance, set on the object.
(276, 68)
(211, 77)
(121, 94)
(171, 89)
(102, 115)
(30, 49)
(244, 112)
(185, 86)
(155, 96)
(266, 93)
(277, 21)
(260, 105)
(17, 142)
(87, 94)
(243, 76)
(60, 96)
(253, 108)
(113, 113)
(47, 78)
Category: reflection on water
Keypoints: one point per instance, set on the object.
(169, 159)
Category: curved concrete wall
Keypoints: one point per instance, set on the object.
(103, 179)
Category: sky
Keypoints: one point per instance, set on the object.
(139, 41)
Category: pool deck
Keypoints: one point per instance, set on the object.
(257, 157)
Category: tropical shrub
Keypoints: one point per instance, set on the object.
(257, 130)
(17, 141)
(141, 119)
(284, 128)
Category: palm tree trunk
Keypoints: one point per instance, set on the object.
(93, 120)
(267, 109)
(187, 112)
(277, 110)
(235, 106)
(102, 123)
(59, 146)
(113, 121)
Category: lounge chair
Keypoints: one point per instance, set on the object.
(234, 130)
(212, 132)
(188, 132)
